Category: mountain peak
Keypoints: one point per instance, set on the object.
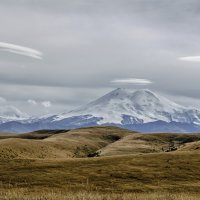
(139, 92)
(145, 91)
(138, 106)
(118, 93)
(140, 95)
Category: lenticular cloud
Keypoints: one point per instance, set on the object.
(135, 81)
(190, 58)
(20, 50)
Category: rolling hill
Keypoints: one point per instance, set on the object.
(91, 142)
(59, 144)
(99, 163)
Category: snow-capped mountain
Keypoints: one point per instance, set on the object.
(142, 106)
(141, 110)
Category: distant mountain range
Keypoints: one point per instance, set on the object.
(141, 110)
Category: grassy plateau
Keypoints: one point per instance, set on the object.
(99, 163)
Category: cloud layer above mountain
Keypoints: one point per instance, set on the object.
(131, 81)
(89, 43)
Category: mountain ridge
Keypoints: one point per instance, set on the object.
(144, 105)
(140, 110)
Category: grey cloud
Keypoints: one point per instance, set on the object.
(88, 43)
(46, 104)
(3, 101)
(32, 102)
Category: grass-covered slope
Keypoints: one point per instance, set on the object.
(164, 172)
(58, 165)
(59, 145)
(151, 143)
(91, 142)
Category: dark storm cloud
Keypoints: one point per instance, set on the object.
(87, 44)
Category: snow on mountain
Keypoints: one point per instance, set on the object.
(141, 106)
(11, 113)
(140, 110)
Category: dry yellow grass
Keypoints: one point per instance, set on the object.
(192, 146)
(26, 194)
(132, 165)
(151, 143)
(129, 145)
(174, 172)
(107, 141)
(75, 143)
(13, 148)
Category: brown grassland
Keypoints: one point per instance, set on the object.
(99, 163)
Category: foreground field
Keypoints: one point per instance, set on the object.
(174, 172)
(24, 194)
(128, 165)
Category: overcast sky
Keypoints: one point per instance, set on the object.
(59, 54)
